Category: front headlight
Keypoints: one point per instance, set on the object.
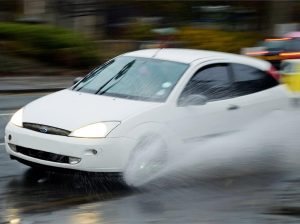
(98, 130)
(17, 118)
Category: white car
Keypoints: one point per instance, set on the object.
(175, 96)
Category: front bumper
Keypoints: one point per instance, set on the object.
(112, 153)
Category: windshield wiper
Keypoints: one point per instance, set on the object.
(116, 78)
(90, 76)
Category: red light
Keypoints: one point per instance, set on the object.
(278, 39)
(256, 53)
(274, 73)
(290, 55)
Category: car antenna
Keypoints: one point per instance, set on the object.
(162, 45)
(156, 52)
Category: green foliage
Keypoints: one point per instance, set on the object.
(217, 40)
(139, 31)
(49, 43)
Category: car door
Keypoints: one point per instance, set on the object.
(200, 122)
(237, 95)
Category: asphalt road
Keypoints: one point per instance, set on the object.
(28, 196)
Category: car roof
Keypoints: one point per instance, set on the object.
(188, 56)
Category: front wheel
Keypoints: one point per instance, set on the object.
(147, 160)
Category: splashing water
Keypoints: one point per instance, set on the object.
(270, 144)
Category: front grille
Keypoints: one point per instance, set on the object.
(46, 129)
(52, 157)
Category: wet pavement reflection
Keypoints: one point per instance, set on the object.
(30, 196)
(36, 193)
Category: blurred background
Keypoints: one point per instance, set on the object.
(44, 44)
(72, 36)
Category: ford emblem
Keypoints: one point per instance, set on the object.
(43, 130)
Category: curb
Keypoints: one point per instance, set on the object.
(3, 91)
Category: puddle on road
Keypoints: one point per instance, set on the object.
(271, 144)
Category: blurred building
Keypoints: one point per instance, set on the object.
(85, 16)
(97, 17)
(283, 17)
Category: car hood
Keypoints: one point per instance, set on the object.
(70, 110)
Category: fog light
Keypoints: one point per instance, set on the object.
(74, 160)
(12, 147)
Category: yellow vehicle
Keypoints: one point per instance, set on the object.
(290, 71)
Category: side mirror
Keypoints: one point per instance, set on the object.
(193, 99)
(76, 80)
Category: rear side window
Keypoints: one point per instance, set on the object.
(212, 81)
(248, 79)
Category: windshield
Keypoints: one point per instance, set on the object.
(133, 78)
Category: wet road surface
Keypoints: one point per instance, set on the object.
(28, 196)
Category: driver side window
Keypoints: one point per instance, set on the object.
(211, 81)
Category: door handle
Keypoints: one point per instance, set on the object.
(233, 107)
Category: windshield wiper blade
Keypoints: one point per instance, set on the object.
(90, 76)
(115, 78)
